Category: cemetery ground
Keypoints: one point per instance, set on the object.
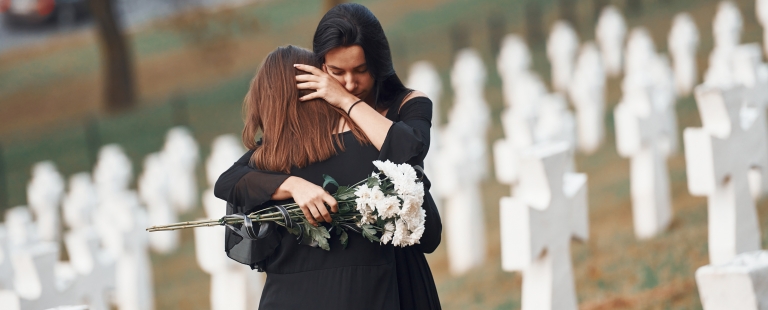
(49, 110)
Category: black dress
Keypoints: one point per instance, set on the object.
(407, 142)
(362, 276)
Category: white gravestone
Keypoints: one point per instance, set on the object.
(646, 136)
(738, 284)
(41, 282)
(81, 201)
(538, 224)
(93, 264)
(6, 267)
(610, 33)
(181, 155)
(463, 164)
(121, 222)
(683, 41)
(233, 285)
(562, 45)
(552, 121)
(639, 52)
(751, 72)
(514, 57)
(423, 77)
(522, 94)
(720, 157)
(726, 29)
(44, 193)
(154, 191)
(761, 10)
(587, 93)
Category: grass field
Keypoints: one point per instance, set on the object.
(50, 99)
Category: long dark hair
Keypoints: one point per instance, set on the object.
(295, 134)
(353, 24)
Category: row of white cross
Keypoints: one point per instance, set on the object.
(547, 207)
(106, 241)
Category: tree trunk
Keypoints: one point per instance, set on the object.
(329, 4)
(116, 58)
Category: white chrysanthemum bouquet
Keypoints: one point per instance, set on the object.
(385, 207)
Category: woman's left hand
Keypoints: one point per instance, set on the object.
(325, 86)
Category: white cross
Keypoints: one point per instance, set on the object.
(95, 267)
(610, 32)
(562, 45)
(720, 157)
(6, 268)
(537, 226)
(37, 283)
(587, 93)
(646, 132)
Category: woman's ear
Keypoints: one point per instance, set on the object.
(325, 69)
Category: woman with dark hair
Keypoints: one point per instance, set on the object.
(324, 140)
(357, 77)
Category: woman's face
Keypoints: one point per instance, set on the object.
(347, 65)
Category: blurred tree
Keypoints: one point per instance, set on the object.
(329, 4)
(116, 57)
(533, 30)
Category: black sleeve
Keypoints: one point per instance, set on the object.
(247, 187)
(433, 225)
(407, 141)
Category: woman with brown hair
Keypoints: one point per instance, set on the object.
(308, 139)
(357, 77)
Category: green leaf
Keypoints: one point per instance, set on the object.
(372, 181)
(293, 231)
(321, 236)
(328, 179)
(370, 233)
(344, 239)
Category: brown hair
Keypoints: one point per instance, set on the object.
(295, 133)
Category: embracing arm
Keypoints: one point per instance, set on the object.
(246, 187)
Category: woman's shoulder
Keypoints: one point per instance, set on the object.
(413, 97)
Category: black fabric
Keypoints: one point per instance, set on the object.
(407, 141)
(362, 276)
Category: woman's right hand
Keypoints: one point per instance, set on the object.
(311, 199)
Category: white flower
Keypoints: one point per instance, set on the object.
(386, 167)
(367, 219)
(389, 230)
(364, 202)
(401, 233)
(376, 195)
(388, 207)
(407, 171)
